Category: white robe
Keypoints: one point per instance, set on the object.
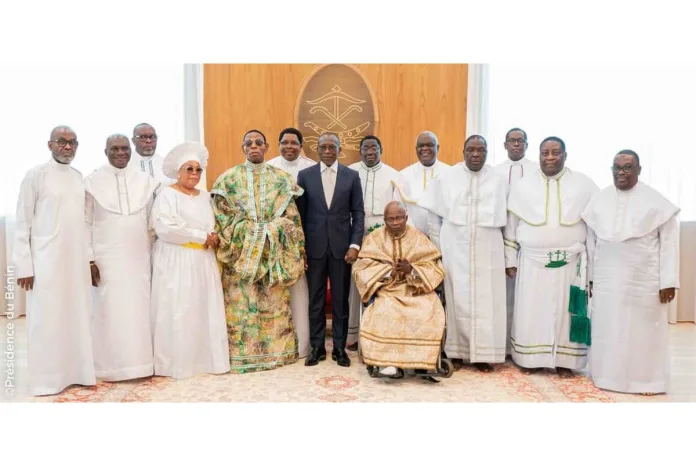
(150, 165)
(187, 299)
(512, 172)
(636, 255)
(416, 178)
(468, 212)
(537, 226)
(51, 244)
(117, 213)
(299, 293)
(291, 167)
(379, 186)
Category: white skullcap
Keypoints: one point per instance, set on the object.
(183, 153)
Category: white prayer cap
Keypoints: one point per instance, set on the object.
(183, 153)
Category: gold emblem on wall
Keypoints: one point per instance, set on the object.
(336, 98)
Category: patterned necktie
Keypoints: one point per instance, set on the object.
(328, 182)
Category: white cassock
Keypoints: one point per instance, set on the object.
(636, 255)
(416, 178)
(51, 244)
(512, 172)
(468, 211)
(291, 167)
(187, 299)
(299, 294)
(150, 165)
(379, 186)
(117, 213)
(545, 241)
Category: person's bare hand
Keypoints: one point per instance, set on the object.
(403, 266)
(27, 283)
(351, 255)
(212, 241)
(94, 271)
(667, 295)
(511, 272)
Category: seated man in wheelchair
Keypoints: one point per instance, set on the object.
(396, 274)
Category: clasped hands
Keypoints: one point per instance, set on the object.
(402, 267)
(212, 241)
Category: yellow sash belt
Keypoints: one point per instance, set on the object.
(197, 246)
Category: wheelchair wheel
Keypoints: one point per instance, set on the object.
(447, 368)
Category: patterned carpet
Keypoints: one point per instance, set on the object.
(330, 383)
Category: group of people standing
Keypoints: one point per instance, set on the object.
(133, 271)
(584, 273)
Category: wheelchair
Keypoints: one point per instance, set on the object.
(444, 369)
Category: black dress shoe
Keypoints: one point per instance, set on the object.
(341, 358)
(315, 355)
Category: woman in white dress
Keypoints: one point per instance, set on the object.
(190, 332)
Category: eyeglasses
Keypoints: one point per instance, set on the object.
(146, 137)
(627, 168)
(425, 145)
(520, 141)
(63, 142)
(257, 142)
(190, 170)
(328, 147)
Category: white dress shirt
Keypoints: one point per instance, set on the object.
(328, 180)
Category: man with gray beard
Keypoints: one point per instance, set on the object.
(50, 252)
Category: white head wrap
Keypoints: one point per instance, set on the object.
(183, 153)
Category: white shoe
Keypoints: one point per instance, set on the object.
(391, 370)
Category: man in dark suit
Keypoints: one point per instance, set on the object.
(332, 215)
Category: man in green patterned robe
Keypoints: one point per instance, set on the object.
(261, 255)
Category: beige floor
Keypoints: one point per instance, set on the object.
(330, 383)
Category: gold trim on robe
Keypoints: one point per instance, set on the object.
(404, 325)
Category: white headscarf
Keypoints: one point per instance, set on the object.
(183, 153)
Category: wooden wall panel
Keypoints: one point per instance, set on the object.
(410, 98)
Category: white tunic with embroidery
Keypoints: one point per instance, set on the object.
(117, 213)
(636, 255)
(416, 179)
(512, 172)
(150, 165)
(468, 211)
(291, 167)
(545, 240)
(380, 185)
(51, 244)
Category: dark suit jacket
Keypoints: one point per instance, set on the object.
(339, 227)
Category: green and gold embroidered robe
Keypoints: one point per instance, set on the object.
(261, 256)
